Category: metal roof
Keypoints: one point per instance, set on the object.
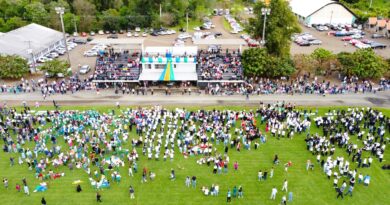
(306, 8)
(16, 42)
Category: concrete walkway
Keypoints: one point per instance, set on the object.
(107, 97)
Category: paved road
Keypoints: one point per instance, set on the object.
(381, 99)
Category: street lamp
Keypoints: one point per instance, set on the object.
(265, 12)
(61, 11)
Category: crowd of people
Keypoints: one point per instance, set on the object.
(101, 143)
(117, 65)
(216, 65)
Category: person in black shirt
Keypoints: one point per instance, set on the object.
(98, 197)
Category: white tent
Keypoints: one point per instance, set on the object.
(33, 37)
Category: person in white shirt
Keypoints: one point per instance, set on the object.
(285, 183)
(273, 193)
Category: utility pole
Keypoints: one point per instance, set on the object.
(265, 12)
(61, 11)
(187, 21)
(160, 11)
(74, 21)
(31, 52)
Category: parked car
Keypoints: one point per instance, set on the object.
(53, 55)
(144, 34)
(80, 41)
(304, 43)
(85, 69)
(129, 34)
(83, 34)
(184, 36)
(315, 42)
(43, 59)
(137, 29)
(347, 38)
(91, 33)
(377, 35)
(90, 53)
(376, 45)
(101, 32)
(113, 36)
(136, 34)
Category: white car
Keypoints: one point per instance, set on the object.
(90, 53)
(197, 28)
(44, 59)
(234, 32)
(101, 32)
(129, 34)
(137, 29)
(184, 36)
(144, 34)
(85, 69)
(136, 34)
(53, 55)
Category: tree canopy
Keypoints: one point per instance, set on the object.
(55, 67)
(13, 67)
(258, 62)
(363, 63)
(280, 25)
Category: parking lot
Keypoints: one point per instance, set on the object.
(335, 44)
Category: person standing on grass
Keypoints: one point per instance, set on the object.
(193, 181)
(188, 181)
(98, 197)
(290, 196)
(17, 187)
(350, 189)
(43, 201)
(271, 173)
(5, 182)
(339, 193)
(273, 193)
(285, 183)
(284, 200)
(131, 191)
(260, 175)
(229, 197)
(235, 165)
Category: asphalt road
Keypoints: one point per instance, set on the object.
(107, 97)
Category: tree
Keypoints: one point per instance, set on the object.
(86, 11)
(324, 59)
(257, 62)
(55, 66)
(13, 67)
(303, 63)
(37, 13)
(14, 23)
(363, 63)
(280, 25)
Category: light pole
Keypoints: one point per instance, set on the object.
(31, 52)
(265, 12)
(60, 11)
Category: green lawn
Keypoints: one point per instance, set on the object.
(308, 187)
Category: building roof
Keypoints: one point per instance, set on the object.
(372, 20)
(118, 41)
(306, 8)
(175, 51)
(222, 42)
(381, 23)
(17, 42)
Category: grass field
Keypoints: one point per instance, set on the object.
(308, 187)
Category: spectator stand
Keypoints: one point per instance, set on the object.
(119, 64)
(220, 62)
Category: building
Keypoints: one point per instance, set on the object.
(30, 42)
(169, 64)
(321, 12)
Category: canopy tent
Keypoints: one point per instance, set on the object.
(29, 40)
